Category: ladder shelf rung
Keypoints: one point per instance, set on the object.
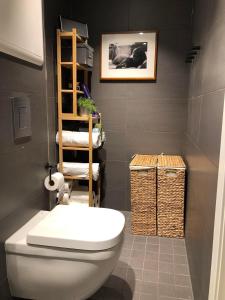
(75, 148)
(71, 91)
(66, 91)
(74, 177)
(68, 34)
(66, 64)
(72, 117)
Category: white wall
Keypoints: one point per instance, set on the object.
(21, 29)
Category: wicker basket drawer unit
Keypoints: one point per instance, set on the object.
(143, 194)
(170, 196)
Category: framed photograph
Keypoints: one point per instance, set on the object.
(129, 56)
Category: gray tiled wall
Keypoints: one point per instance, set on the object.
(205, 109)
(139, 117)
(22, 163)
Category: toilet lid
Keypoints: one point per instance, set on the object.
(84, 228)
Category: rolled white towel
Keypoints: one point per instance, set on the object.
(80, 197)
(80, 170)
(78, 138)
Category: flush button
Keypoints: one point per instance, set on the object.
(21, 117)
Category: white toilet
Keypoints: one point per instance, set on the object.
(64, 254)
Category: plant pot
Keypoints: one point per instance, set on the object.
(83, 111)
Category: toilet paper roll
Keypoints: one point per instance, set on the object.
(57, 182)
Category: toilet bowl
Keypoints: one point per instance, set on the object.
(64, 254)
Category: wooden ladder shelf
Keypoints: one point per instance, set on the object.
(73, 116)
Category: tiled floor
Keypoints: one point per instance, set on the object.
(149, 268)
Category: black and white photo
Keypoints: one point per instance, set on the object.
(129, 56)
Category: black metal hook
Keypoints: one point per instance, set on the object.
(196, 48)
(192, 53)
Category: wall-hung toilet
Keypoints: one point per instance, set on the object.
(64, 254)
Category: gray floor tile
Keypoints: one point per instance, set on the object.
(167, 278)
(140, 239)
(181, 269)
(151, 276)
(164, 257)
(167, 298)
(179, 250)
(120, 272)
(166, 290)
(138, 246)
(140, 253)
(179, 242)
(151, 255)
(137, 263)
(122, 263)
(149, 288)
(168, 249)
(154, 240)
(152, 248)
(136, 273)
(125, 252)
(148, 297)
(165, 267)
(182, 280)
(136, 296)
(183, 292)
(128, 244)
(149, 268)
(165, 241)
(150, 264)
(180, 259)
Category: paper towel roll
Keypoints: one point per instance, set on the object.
(57, 182)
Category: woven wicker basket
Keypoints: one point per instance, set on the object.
(143, 194)
(170, 197)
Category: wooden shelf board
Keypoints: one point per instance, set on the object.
(71, 91)
(67, 64)
(66, 91)
(74, 177)
(66, 34)
(72, 117)
(75, 148)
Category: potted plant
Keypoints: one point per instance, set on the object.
(86, 106)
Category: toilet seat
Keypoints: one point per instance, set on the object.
(82, 228)
(34, 238)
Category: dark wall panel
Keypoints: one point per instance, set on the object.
(205, 109)
(22, 162)
(139, 117)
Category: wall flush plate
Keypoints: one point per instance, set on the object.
(21, 117)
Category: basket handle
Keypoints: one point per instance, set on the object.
(142, 172)
(171, 173)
